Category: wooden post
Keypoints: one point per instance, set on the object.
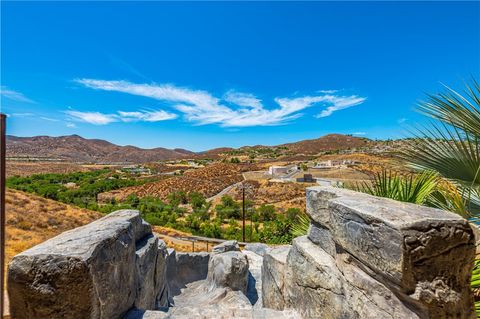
(3, 145)
(193, 246)
(243, 214)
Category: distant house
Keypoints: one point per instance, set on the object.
(334, 163)
(136, 170)
(281, 170)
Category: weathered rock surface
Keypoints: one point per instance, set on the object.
(363, 257)
(423, 255)
(258, 248)
(254, 286)
(229, 269)
(319, 286)
(184, 268)
(161, 285)
(146, 259)
(273, 282)
(388, 235)
(88, 272)
(229, 245)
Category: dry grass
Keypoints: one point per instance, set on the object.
(14, 168)
(32, 219)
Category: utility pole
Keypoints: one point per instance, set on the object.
(3, 145)
(243, 214)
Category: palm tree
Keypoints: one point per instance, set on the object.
(450, 146)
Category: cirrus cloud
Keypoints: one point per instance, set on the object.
(98, 118)
(234, 109)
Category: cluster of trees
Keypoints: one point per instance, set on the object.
(80, 188)
(264, 223)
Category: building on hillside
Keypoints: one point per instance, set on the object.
(282, 170)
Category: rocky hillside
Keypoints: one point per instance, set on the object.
(78, 149)
(74, 148)
(329, 142)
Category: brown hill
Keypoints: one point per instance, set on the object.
(74, 148)
(329, 142)
(78, 149)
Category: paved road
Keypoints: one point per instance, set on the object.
(223, 192)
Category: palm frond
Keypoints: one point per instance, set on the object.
(460, 111)
(300, 227)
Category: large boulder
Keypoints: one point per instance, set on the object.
(318, 285)
(89, 272)
(273, 273)
(229, 269)
(423, 254)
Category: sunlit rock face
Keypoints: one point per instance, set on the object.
(100, 270)
(363, 257)
(369, 257)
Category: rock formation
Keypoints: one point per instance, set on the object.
(363, 257)
(369, 257)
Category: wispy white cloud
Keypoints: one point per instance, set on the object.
(27, 114)
(49, 119)
(359, 133)
(402, 120)
(243, 99)
(14, 95)
(341, 103)
(147, 116)
(234, 109)
(70, 125)
(98, 118)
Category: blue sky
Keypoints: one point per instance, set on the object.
(203, 75)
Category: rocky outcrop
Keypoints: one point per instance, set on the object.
(99, 270)
(229, 269)
(363, 257)
(368, 257)
(273, 281)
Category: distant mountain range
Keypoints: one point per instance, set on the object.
(75, 148)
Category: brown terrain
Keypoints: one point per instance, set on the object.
(208, 181)
(16, 168)
(329, 142)
(75, 148)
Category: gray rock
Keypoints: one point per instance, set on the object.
(161, 286)
(87, 272)
(146, 260)
(273, 272)
(254, 287)
(406, 243)
(229, 269)
(322, 237)
(229, 245)
(317, 287)
(184, 268)
(257, 248)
